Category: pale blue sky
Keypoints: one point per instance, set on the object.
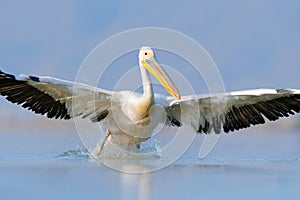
(254, 43)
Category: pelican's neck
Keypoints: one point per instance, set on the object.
(147, 87)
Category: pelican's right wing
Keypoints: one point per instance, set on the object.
(233, 111)
(54, 97)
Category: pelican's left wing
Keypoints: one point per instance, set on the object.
(233, 111)
(54, 97)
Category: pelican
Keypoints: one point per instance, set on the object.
(129, 118)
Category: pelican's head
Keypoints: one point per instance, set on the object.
(148, 61)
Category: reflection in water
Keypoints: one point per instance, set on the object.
(135, 185)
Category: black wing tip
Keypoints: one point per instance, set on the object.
(208, 128)
(251, 115)
(26, 95)
(174, 122)
(283, 90)
(34, 78)
(100, 116)
(11, 76)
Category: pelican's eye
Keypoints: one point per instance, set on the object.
(145, 53)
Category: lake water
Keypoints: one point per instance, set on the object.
(250, 164)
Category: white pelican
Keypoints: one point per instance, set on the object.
(128, 116)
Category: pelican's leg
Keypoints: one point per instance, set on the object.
(103, 143)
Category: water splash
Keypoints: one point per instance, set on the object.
(78, 154)
(148, 150)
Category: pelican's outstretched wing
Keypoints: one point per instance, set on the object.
(233, 111)
(55, 98)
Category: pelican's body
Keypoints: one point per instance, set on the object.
(130, 118)
(129, 111)
(130, 121)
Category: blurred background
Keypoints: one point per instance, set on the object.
(254, 43)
